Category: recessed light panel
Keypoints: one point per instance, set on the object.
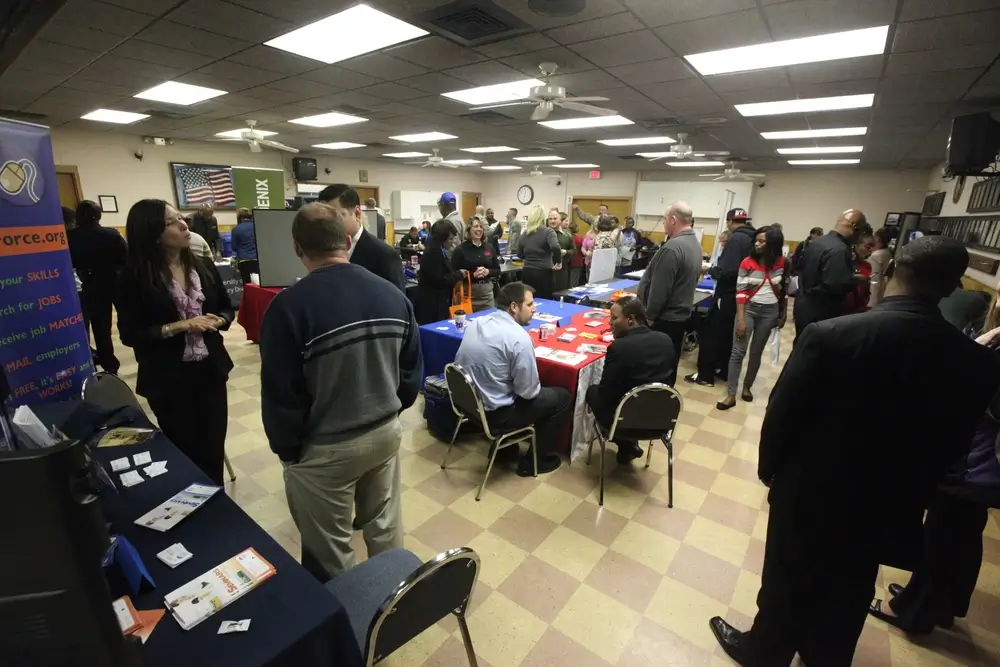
(495, 94)
(540, 158)
(587, 121)
(579, 166)
(463, 162)
(817, 134)
(238, 134)
(338, 145)
(706, 163)
(820, 162)
(174, 92)
(423, 136)
(502, 167)
(328, 119)
(811, 105)
(112, 116)
(347, 34)
(637, 141)
(833, 46)
(490, 149)
(820, 150)
(410, 154)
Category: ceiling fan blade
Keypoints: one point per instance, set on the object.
(427, 164)
(421, 163)
(586, 108)
(254, 146)
(541, 112)
(448, 166)
(586, 99)
(711, 174)
(753, 175)
(280, 146)
(721, 178)
(503, 104)
(713, 152)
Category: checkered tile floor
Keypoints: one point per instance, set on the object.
(565, 582)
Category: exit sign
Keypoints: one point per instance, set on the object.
(596, 173)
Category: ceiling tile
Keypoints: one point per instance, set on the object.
(39, 49)
(435, 53)
(103, 87)
(579, 83)
(128, 71)
(274, 60)
(227, 69)
(566, 60)
(53, 68)
(914, 10)
(442, 105)
(946, 32)
(658, 12)
(160, 55)
(518, 45)
(654, 71)
(755, 95)
(383, 66)
(486, 73)
(434, 83)
(303, 86)
(805, 18)
(116, 20)
(768, 78)
(662, 92)
(698, 105)
(230, 20)
(80, 36)
(175, 35)
(867, 67)
(607, 26)
(986, 87)
(718, 32)
(594, 9)
(340, 77)
(937, 60)
(611, 51)
(835, 88)
(914, 87)
(268, 96)
(393, 91)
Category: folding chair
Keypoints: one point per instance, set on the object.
(393, 597)
(109, 391)
(467, 403)
(648, 412)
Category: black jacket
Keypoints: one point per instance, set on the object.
(142, 312)
(727, 268)
(639, 357)
(470, 257)
(208, 229)
(434, 287)
(380, 258)
(841, 482)
(826, 276)
(98, 255)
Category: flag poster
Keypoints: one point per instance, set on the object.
(258, 187)
(43, 343)
(198, 184)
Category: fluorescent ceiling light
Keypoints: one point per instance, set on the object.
(463, 162)
(819, 150)
(805, 162)
(238, 134)
(808, 105)
(540, 158)
(328, 119)
(410, 154)
(817, 134)
(578, 166)
(502, 167)
(499, 92)
(637, 141)
(112, 116)
(423, 136)
(832, 46)
(346, 34)
(587, 121)
(489, 149)
(174, 92)
(338, 145)
(706, 163)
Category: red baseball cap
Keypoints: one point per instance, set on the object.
(738, 214)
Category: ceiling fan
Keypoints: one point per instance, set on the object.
(733, 173)
(435, 161)
(547, 97)
(537, 171)
(683, 151)
(256, 139)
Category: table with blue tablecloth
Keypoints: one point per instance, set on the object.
(439, 341)
(295, 620)
(596, 292)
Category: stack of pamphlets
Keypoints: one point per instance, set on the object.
(172, 511)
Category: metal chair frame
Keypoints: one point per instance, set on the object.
(497, 442)
(666, 438)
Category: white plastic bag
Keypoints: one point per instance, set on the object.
(775, 344)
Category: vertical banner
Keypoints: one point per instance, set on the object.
(43, 343)
(258, 187)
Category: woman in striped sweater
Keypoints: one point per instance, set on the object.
(760, 307)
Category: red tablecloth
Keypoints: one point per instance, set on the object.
(251, 313)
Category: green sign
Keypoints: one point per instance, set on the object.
(259, 188)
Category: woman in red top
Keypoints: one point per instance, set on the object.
(856, 300)
(577, 276)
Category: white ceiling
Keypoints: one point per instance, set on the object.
(943, 60)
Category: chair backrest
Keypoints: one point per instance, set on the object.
(109, 391)
(439, 587)
(650, 409)
(466, 401)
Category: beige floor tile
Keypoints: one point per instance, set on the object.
(445, 530)
(704, 572)
(417, 508)
(578, 621)
(751, 494)
(598, 523)
(717, 540)
(571, 552)
(555, 648)
(540, 588)
(552, 503)
(746, 451)
(715, 425)
(483, 512)
(625, 580)
(619, 499)
(653, 645)
(418, 649)
(523, 527)
(685, 612)
(498, 558)
(702, 456)
(744, 599)
(647, 546)
(686, 497)
(503, 631)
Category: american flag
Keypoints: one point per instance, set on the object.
(207, 186)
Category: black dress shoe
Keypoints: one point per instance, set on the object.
(546, 463)
(729, 638)
(628, 453)
(895, 589)
(694, 379)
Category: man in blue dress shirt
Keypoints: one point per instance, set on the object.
(499, 354)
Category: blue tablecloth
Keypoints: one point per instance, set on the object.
(439, 341)
(598, 291)
(296, 621)
(707, 283)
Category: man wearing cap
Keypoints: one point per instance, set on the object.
(447, 206)
(716, 340)
(827, 271)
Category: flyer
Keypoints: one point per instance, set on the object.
(198, 599)
(172, 511)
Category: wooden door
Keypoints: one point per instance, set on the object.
(470, 200)
(617, 206)
(68, 182)
(364, 192)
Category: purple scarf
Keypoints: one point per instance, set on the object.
(188, 306)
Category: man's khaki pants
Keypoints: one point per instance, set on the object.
(332, 483)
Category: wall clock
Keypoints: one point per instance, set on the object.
(956, 194)
(525, 194)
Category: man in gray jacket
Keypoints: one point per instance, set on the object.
(667, 286)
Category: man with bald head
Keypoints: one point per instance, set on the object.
(826, 274)
(667, 286)
(339, 360)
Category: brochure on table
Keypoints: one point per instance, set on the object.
(175, 509)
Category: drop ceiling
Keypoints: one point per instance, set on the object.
(942, 60)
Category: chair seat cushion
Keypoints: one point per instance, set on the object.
(363, 588)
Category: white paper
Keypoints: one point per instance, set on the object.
(441, 328)
(545, 317)
(602, 264)
(172, 511)
(174, 555)
(155, 469)
(131, 478)
(234, 626)
(592, 348)
(560, 356)
(142, 458)
(595, 323)
(120, 464)
(32, 427)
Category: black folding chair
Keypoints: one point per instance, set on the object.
(467, 403)
(393, 597)
(648, 412)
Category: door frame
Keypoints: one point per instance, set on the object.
(479, 202)
(74, 174)
(366, 186)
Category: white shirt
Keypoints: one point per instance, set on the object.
(199, 246)
(354, 241)
(500, 356)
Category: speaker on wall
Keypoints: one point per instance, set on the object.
(304, 168)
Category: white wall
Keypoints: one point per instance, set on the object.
(952, 208)
(500, 188)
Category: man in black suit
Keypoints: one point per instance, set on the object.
(845, 499)
(365, 250)
(638, 356)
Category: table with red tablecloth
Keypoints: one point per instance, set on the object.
(255, 301)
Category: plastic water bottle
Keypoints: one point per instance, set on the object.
(561, 299)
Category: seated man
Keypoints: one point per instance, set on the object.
(638, 356)
(499, 354)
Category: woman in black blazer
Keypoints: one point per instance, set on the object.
(437, 278)
(171, 308)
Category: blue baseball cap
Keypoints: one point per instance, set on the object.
(447, 198)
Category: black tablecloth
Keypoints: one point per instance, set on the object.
(296, 622)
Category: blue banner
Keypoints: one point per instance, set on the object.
(43, 342)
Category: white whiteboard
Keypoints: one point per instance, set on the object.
(705, 197)
(279, 265)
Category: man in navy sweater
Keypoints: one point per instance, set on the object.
(340, 359)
